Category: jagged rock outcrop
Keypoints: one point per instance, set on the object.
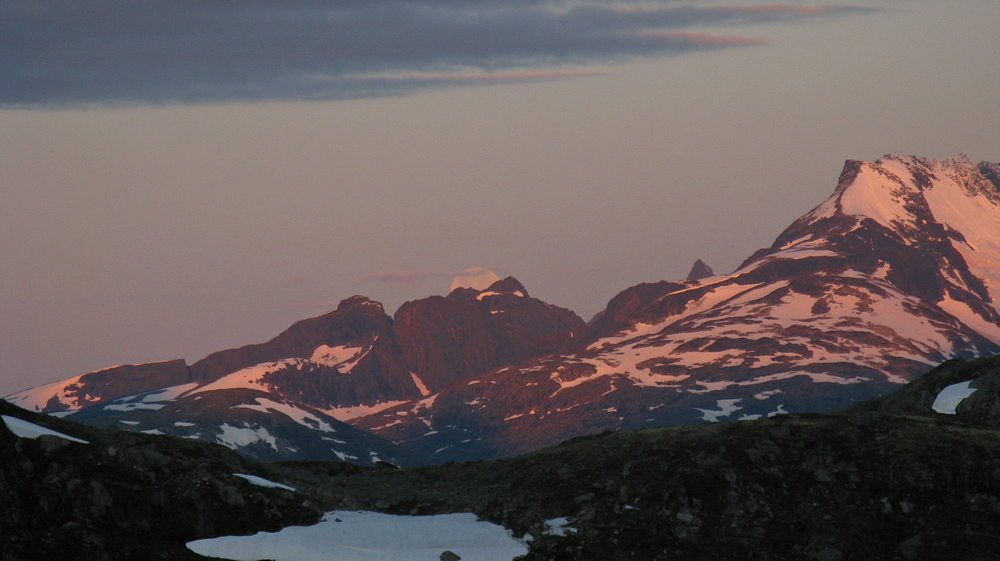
(448, 339)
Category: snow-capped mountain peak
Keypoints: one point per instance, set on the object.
(896, 271)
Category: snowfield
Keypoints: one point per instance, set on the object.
(24, 429)
(948, 399)
(372, 536)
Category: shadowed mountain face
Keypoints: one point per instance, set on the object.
(469, 332)
(898, 270)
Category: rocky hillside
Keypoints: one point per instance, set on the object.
(98, 494)
(886, 479)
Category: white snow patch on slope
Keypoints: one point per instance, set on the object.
(349, 412)
(726, 408)
(948, 399)
(247, 378)
(298, 415)
(343, 358)
(482, 295)
(261, 482)
(169, 394)
(869, 196)
(964, 313)
(424, 391)
(36, 398)
(816, 377)
(236, 437)
(25, 429)
(372, 536)
(977, 218)
(558, 527)
(132, 406)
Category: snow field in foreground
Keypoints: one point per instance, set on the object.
(372, 536)
(24, 429)
(947, 401)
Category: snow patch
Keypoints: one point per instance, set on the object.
(343, 358)
(558, 527)
(25, 429)
(947, 400)
(300, 416)
(169, 394)
(133, 406)
(726, 408)
(424, 391)
(354, 411)
(37, 398)
(236, 437)
(372, 536)
(261, 482)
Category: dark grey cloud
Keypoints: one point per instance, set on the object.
(64, 52)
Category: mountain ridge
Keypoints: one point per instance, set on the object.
(897, 270)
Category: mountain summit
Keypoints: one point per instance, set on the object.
(896, 271)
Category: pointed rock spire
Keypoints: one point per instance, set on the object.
(700, 270)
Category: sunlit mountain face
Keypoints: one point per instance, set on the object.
(898, 270)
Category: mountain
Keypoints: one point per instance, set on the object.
(889, 478)
(287, 398)
(899, 269)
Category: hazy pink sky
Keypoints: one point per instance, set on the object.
(182, 180)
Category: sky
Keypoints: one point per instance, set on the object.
(182, 177)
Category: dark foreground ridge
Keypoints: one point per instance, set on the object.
(885, 479)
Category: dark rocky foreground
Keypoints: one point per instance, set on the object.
(125, 495)
(885, 479)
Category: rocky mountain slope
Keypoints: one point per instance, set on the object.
(897, 270)
(287, 398)
(889, 478)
